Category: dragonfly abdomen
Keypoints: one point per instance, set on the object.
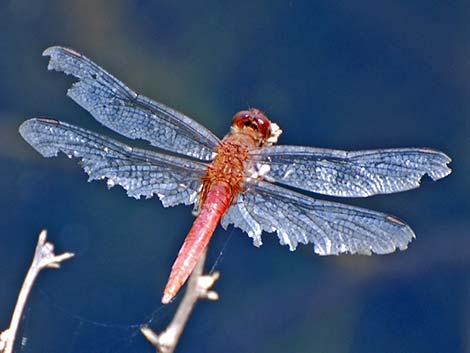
(217, 200)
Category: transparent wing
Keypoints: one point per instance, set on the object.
(121, 109)
(352, 174)
(142, 173)
(333, 228)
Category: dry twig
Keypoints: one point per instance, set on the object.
(44, 257)
(198, 288)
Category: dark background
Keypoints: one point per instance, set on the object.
(337, 74)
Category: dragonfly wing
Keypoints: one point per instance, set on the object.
(141, 173)
(132, 115)
(354, 173)
(333, 228)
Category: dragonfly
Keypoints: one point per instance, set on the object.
(244, 179)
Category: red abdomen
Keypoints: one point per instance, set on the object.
(217, 200)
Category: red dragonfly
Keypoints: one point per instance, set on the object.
(236, 180)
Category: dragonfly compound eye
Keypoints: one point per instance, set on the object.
(254, 119)
(241, 118)
(262, 122)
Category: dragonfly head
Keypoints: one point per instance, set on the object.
(255, 123)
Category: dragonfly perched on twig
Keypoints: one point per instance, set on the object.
(237, 180)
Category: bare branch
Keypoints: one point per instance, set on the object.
(198, 288)
(44, 257)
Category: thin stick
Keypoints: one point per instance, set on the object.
(44, 257)
(197, 288)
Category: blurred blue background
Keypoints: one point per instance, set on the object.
(336, 74)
